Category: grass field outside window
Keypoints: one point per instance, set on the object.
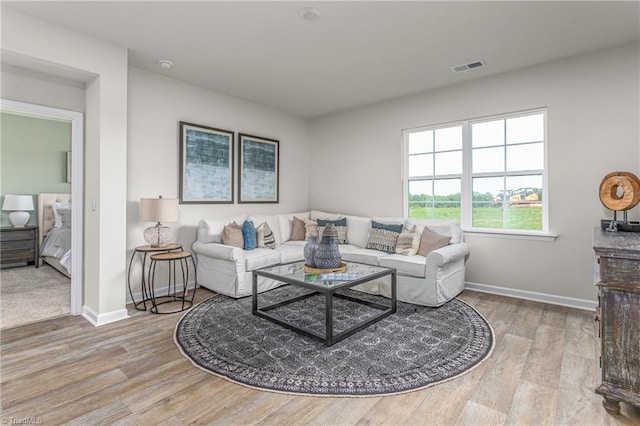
(522, 217)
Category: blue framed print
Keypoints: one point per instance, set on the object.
(206, 164)
(258, 169)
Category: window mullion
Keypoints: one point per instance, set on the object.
(466, 185)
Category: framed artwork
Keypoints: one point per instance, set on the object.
(259, 170)
(206, 164)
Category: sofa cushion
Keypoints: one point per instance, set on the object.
(232, 235)
(348, 248)
(449, 227)
(249, 235)
(316, 214)
(291, 251)
(390, 220)
(260, 258)
(358, 230)
(413, 266)
(210, 230)
(431, 241)
(285, 224)
(364, 255)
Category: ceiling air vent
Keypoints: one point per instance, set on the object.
(467, 67)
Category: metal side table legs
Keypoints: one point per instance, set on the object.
(177, 261)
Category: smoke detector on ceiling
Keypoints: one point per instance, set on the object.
(466, 67)
(309, 13)
(165, 64)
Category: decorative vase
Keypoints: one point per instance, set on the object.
(310, 251)
(327, 255)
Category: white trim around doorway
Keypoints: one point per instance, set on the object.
(77, 191)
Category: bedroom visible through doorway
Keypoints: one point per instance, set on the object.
(37, 139)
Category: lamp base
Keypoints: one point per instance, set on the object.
(158, 236)
(19, 219)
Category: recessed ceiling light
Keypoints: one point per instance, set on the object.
(165, 64)
(309, 13)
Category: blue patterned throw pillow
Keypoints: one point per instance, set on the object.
(383, 237)
(249, 235)
(341, 227)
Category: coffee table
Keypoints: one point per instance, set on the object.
(329, 285)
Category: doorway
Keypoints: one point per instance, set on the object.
(75, 119)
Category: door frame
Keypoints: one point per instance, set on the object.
(76, 119)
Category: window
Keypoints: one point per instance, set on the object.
(490, 173)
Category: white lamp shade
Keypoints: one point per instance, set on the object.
(18, 203)
(159, 209)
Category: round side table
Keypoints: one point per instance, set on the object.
(144, 251)
(176, 260)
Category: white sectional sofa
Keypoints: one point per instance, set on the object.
(429, 281)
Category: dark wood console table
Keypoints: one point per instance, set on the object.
(619, 315)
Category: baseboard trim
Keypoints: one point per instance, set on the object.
(588, 305)
(102, 319)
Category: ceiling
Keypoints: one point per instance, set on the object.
(355, 53)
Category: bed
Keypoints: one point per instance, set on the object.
(54, 220)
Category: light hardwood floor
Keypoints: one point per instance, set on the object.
(542, 372)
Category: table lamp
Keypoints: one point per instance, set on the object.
(158, 210)
(17, 204)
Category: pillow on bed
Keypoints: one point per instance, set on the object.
(65, 218)
(56, 216)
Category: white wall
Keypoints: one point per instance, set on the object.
(156, 106)
(593, 129)
(49, 46)
(20, 84)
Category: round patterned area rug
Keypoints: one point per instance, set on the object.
(412, 349)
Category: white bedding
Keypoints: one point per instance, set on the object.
(58, 244)
(56, 254)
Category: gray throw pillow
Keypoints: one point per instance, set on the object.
(65, 217)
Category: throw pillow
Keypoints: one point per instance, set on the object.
(408, 242)
(65, 217)
(430, 241)
(310, 228)
(264, 236)
(232, 235)
(297, 230)
(55, 206)
(383, 237)
(249, 235)
(341, 227)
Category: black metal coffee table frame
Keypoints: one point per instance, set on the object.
(330, 291)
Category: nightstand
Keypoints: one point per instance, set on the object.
(19, 245)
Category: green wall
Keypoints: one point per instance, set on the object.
(33, 157)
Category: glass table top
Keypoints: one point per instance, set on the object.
(295, 271)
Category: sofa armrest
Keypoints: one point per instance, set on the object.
(447, 254)
(218, 251)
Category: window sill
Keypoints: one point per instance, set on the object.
(518, 235)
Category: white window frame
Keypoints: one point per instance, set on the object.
(467, 177)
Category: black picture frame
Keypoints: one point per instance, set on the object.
(258, 169)
(206, 164)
